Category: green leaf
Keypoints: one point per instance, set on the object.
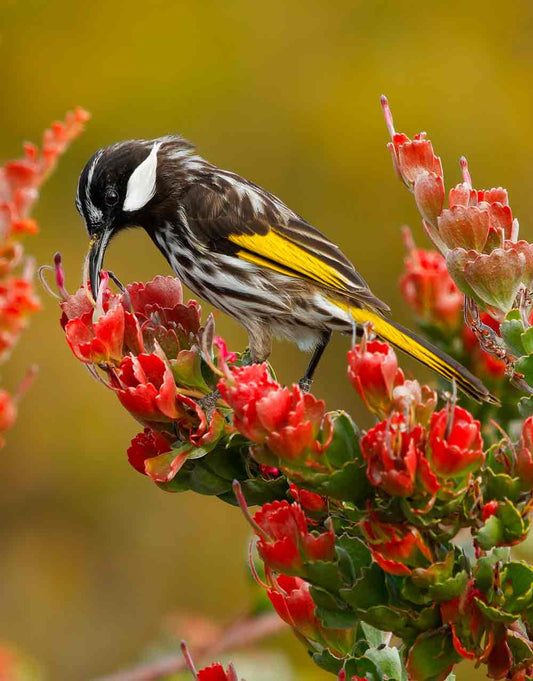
(511, 330)
(491, 534)
(363, 667)
(258, 492)
(187, 370)
(357, 554)
(349, 483)
(374, 636)
(527, 340)
(206, 481)
(325, 660)
(525, 406)
(388, 660)
(524, 365)
(494, 614)
(324, 574)
(500, 486)
(432, 656)
(344, 445)
(370, 590)
(521, 649)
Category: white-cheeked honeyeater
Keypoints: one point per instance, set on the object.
(242, 249)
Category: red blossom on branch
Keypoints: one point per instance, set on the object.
(286, 420)
(395, 458)
(396, 548)
(429, 289)
(285, 543)
(373, 371)
(293, 602)
(456, 444)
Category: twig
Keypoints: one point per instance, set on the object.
(241, 633)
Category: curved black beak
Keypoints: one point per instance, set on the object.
(95, 258)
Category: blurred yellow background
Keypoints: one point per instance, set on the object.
(93, 557)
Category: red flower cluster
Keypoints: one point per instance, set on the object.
(20, 181)
(147, 343)
(405, 454)
(418, 167)
(428, 288)
(284, 420)
(285, 543)
(293, 602)
(374, 373)
(396, 548)
(477, 233)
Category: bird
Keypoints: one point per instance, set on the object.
(243, 250)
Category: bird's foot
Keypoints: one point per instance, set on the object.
(208, 403)
(305, 384)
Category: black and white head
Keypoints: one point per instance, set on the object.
(126, 185)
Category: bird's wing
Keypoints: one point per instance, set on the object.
(232, 215)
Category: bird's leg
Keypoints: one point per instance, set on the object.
(260, 344)
(306, 381)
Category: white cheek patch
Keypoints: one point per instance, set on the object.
(141, 185)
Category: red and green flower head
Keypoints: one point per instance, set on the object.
(293, 602)
(285, 420)
(396, 548)
(455, 443)
(395, 458)
(429, 289)
(285, 543)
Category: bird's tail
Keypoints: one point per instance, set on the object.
(424, 352)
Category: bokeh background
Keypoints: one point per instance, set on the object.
(94, 559)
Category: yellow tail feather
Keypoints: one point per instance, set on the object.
(424, 352)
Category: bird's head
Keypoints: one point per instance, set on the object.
(122, 186)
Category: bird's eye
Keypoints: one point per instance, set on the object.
(111, 197)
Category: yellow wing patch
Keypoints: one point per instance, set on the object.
(287, 254)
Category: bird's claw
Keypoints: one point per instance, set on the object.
(207, 403)
(305, 384)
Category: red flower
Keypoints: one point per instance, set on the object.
(466, 621)
(524, 461)
(158, 306)
(20, 179)
(215, 672)
(418, 167)
(145, 446)
(395, 458)
(285, 543)
(286, 420)
(456, 448)
(373, 372)
(477, 220)
(146, 387)
(293, 602)
(429, 289)
(397, 549)
(490, 508)
(100, 341)
(309, 501)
